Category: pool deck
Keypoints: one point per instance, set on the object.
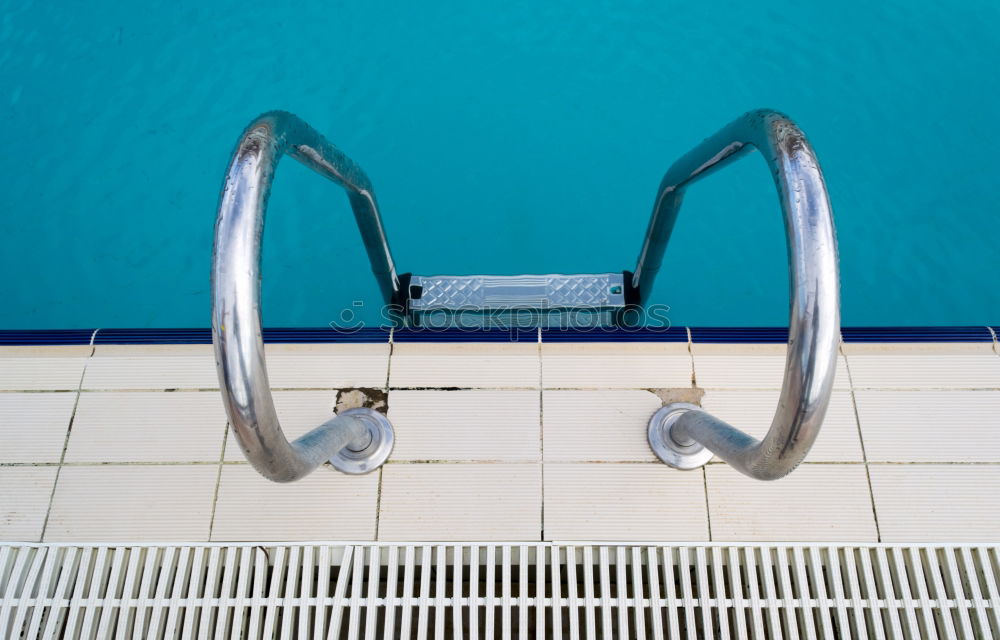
(533, 440)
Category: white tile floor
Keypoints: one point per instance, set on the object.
(247, 509)
(923, 502)
(154, 367)
(629, 365)
(324, 366)
(487, 365)
(598, 425)
(747, 366)
(25, 493)
(146, 426)
(921, 366)
(34, 425)
(461, 501)
(931, 426)
(132, 502)
(467, 425)
(42, 368)
(595, 501)
(829, 502)
(497, 442)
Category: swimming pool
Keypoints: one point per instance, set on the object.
(502, 138)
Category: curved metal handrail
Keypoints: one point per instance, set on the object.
(685, 435)
(356, 441)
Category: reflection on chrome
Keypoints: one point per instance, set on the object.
(686, 436)
(356, 441)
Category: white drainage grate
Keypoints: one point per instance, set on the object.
(498, 591)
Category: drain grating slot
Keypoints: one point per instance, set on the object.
(498, 591)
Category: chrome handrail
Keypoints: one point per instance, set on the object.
(356, 441)
(684, 435)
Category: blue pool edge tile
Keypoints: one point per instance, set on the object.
(917, 334)
(465, 335)
(624, 334)
(41, 337)
(730, 335)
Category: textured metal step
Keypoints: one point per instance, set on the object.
(524, 300)
(495, 590)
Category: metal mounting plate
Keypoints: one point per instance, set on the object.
(371, 457)
(666, 448)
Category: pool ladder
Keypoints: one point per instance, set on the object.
(682, 435)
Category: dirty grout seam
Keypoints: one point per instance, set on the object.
(861, 439)
(69, 430)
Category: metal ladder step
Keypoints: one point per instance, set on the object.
(478, 301)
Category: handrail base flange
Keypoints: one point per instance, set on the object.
(372, 456)
(686, 457)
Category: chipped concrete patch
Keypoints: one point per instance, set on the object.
(691, 395)
(367, 397)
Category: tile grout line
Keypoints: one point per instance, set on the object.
(708, 510)
(378, 503)
(541, 430)
(69, 431)
(690, 345)
(704, 470)
(861, 439)
(378, 485)
(218, 480)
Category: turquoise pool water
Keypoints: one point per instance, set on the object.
(502, 137)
